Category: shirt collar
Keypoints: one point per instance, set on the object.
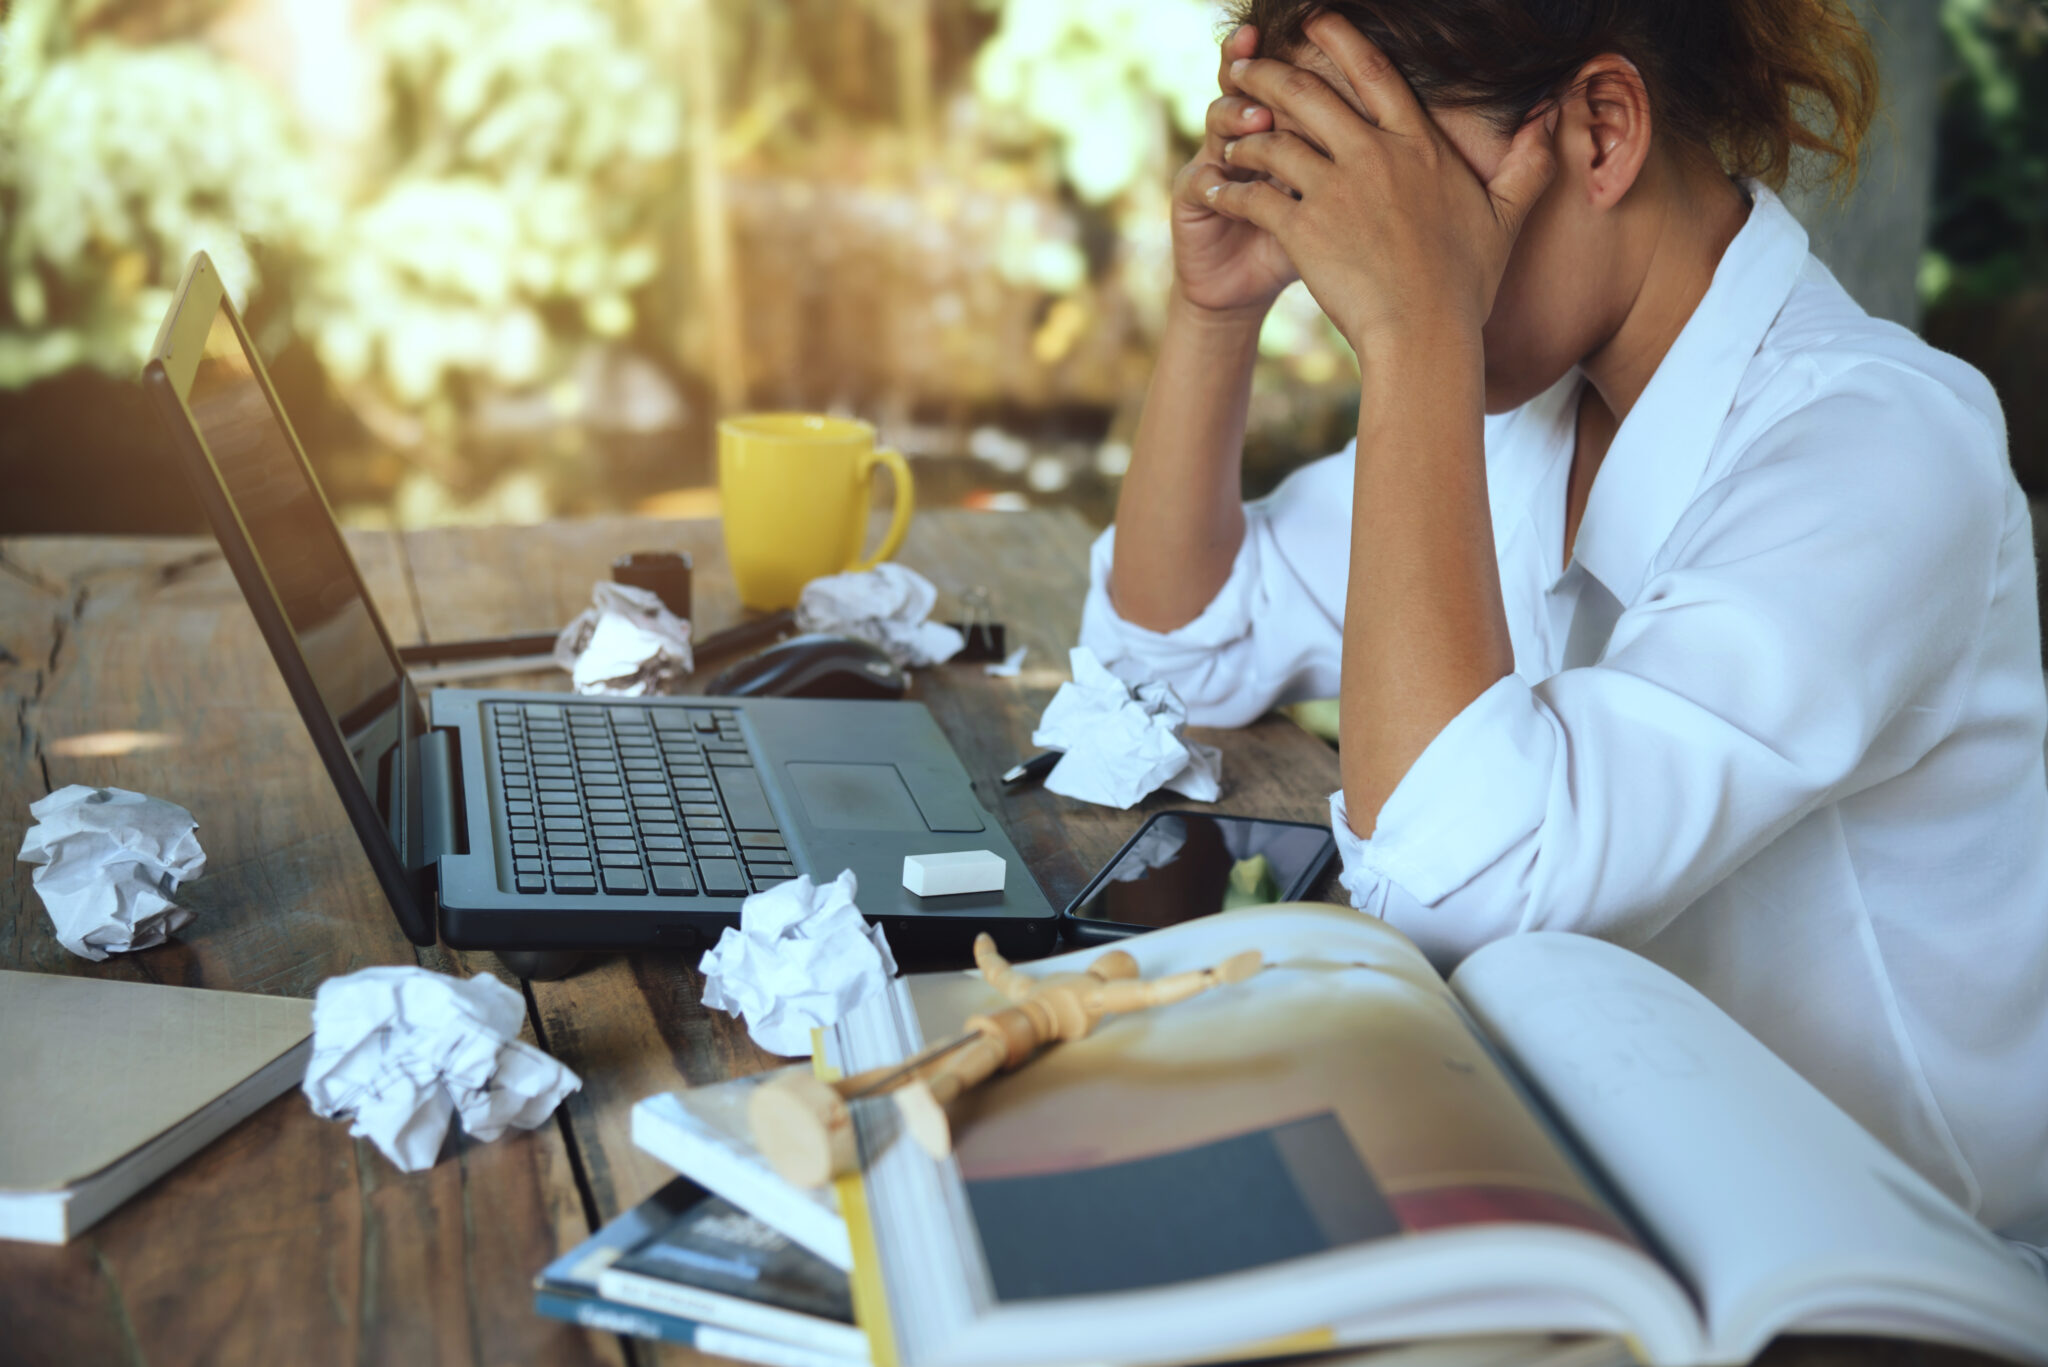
(1658, 456)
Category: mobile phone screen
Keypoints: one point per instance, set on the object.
(1184, 865)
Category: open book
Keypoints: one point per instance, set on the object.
(1345, 1150)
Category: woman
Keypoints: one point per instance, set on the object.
(1669, 597)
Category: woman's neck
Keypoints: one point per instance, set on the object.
(1680, 220)
(1678, 231)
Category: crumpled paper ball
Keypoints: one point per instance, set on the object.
(1121, 743)
(109, 861)
(802, 957)
(627, 643)
(402, 1050)
(887, 606)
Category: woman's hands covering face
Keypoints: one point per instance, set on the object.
(1224, 262)
(1392, 231)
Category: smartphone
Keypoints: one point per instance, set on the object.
(1181, 865)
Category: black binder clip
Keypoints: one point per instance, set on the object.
(985, 637)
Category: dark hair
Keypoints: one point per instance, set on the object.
(1747, 82)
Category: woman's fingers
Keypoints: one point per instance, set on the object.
(1255, 201)
(1233, 116)
(1304, 97)
(1279, 155)
(1242, 42)
(1376, 81)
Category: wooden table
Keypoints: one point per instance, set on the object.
(287, 1242)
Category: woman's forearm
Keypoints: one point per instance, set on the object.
(1180, 515)
(1424, 629)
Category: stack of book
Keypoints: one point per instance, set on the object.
(728, 1258)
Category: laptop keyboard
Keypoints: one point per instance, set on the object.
(632, 801)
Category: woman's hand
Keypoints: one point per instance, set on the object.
(1222, 262)
(1393, 232)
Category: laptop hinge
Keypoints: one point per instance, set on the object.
(440, 800)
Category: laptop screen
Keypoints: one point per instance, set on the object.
(299, 548)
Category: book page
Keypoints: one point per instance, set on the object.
(1779, 1210)
(1328, 1141)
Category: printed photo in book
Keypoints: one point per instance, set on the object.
(1344, 1149)
(1181, 1153)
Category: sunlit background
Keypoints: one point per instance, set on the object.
(511, 259)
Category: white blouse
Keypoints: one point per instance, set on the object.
(1778, 726)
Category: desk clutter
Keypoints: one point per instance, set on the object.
(401, 1052)
(1121, 742)
(801, 958)
(107, 864)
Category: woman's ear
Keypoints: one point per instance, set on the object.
(1603, 135)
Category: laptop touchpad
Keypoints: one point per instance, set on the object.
(855, 797)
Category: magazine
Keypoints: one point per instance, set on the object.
(1564, 1139)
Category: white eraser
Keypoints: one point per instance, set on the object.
(957, 871)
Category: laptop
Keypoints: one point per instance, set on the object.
(521, 821)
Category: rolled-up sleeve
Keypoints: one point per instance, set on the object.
(1272, 634)
(1808, 632)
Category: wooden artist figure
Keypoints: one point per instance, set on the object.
(802, 1123)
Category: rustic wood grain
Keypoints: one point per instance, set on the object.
(287, 1241)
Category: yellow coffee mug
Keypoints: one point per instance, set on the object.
(794, 491)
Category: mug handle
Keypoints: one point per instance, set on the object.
(906, 498)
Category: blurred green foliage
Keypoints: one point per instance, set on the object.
(1096, 76)
(118, 162)
(529, 147)
(1989, 237)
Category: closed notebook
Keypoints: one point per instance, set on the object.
(109, 1085)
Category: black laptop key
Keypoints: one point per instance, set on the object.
(700, 809)
(612, 830)
(575, 883)
(549, 710)
(704, 851)
(605, 847)
(766, 840)
(773, 873)
(667, 857)
(624, 880)
(675, 880)
(521, 821)
(530, 882)
(563, 823)
(527, 866)
(663, 842)
(519, 809)
(556, 785)
(596, 788)
(548, 771)
(757, 856)
(745, 801)
(648, 789)
(660, 828)
(572, 866)
(707, 721)
(721, 875)
(670, 718)
(526, 849)
(619, 861)
(606, 804)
